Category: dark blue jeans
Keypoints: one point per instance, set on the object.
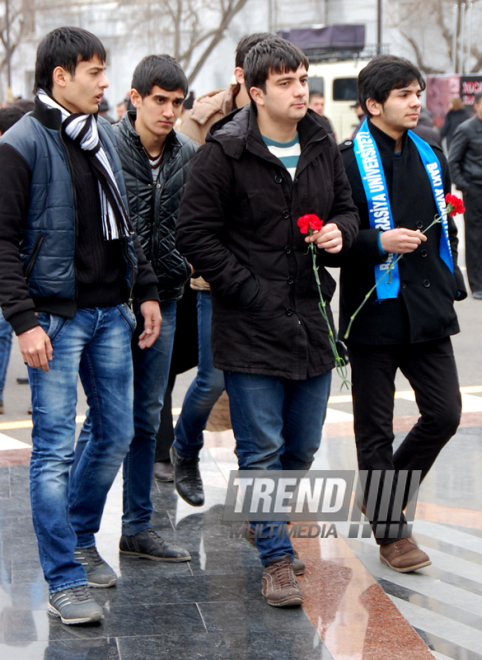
(96, 345)
(277, 424)
(151, 373)
(204, 390)
(5, 348)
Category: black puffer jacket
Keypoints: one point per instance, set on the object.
(154, 206)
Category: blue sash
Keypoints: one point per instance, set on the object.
(379, 209)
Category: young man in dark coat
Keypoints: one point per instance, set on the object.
(260, 170)
(70, 266)
(406, 324)
(155, 162)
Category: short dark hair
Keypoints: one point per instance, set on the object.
(477, 97)
(316, 95)
(9, 117)
(65, 47)
(272, 55)
(384, 73)
(161, 70)
(246, 43)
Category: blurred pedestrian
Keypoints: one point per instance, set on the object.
(317, 104)
(454, 117)
(465, 160)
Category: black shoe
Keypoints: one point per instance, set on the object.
(22, 381)
(163, 471)
(149, 545)
(187, 478)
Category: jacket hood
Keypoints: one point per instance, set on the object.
(239, 130)
(207, 105)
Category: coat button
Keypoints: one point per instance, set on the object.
(288, 249)
(149, 185)
(291, 280)
(404, 285)
(419, 224)
(426, 283)
(423, 253)
(158, 185)
(278, 179)
(286, 214)
(295, 180)
(289, 312)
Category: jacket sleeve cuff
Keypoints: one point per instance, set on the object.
(23, 321)
(146, 292)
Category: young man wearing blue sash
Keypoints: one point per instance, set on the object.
(399, 182)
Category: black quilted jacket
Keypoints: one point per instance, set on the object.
(154, 206)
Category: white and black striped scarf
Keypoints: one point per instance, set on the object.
(83, 130)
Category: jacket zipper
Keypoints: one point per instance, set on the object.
(34, 256)
(74, 195)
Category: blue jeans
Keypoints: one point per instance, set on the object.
(151, 373)
(66, 511)
(277, 424)
(204, 390)
(5, 347)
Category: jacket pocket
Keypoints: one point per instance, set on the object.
(34, 257)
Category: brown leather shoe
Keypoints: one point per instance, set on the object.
(163, 471)
(404, 556)
(280, 586)
(298, 565)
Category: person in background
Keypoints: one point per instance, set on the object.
(425, 128)
(454, 117)
(208, 385)
(155, 161)
(317, 104)
(121, 109)
(465, 161)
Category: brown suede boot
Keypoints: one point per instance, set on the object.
(298, 565)
(280, 586)
(404, 556)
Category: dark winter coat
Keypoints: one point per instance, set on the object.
(153, 206)
(237, 226)
(453, 119)
(465, 156)
(424, 307)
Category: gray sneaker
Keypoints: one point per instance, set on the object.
(99, 573)
(75, 606)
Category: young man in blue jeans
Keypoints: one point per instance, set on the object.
(70, 266)
(260, 170)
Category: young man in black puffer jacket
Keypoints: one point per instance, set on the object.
(155, 161)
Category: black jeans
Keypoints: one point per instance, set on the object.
(431, 371)
(473, 236)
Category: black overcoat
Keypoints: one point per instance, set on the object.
(424, 308)
(238, 227)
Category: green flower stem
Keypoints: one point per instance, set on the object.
(436, 221)
(340, 364)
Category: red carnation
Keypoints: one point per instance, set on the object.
(455, 205)
(309, 221)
